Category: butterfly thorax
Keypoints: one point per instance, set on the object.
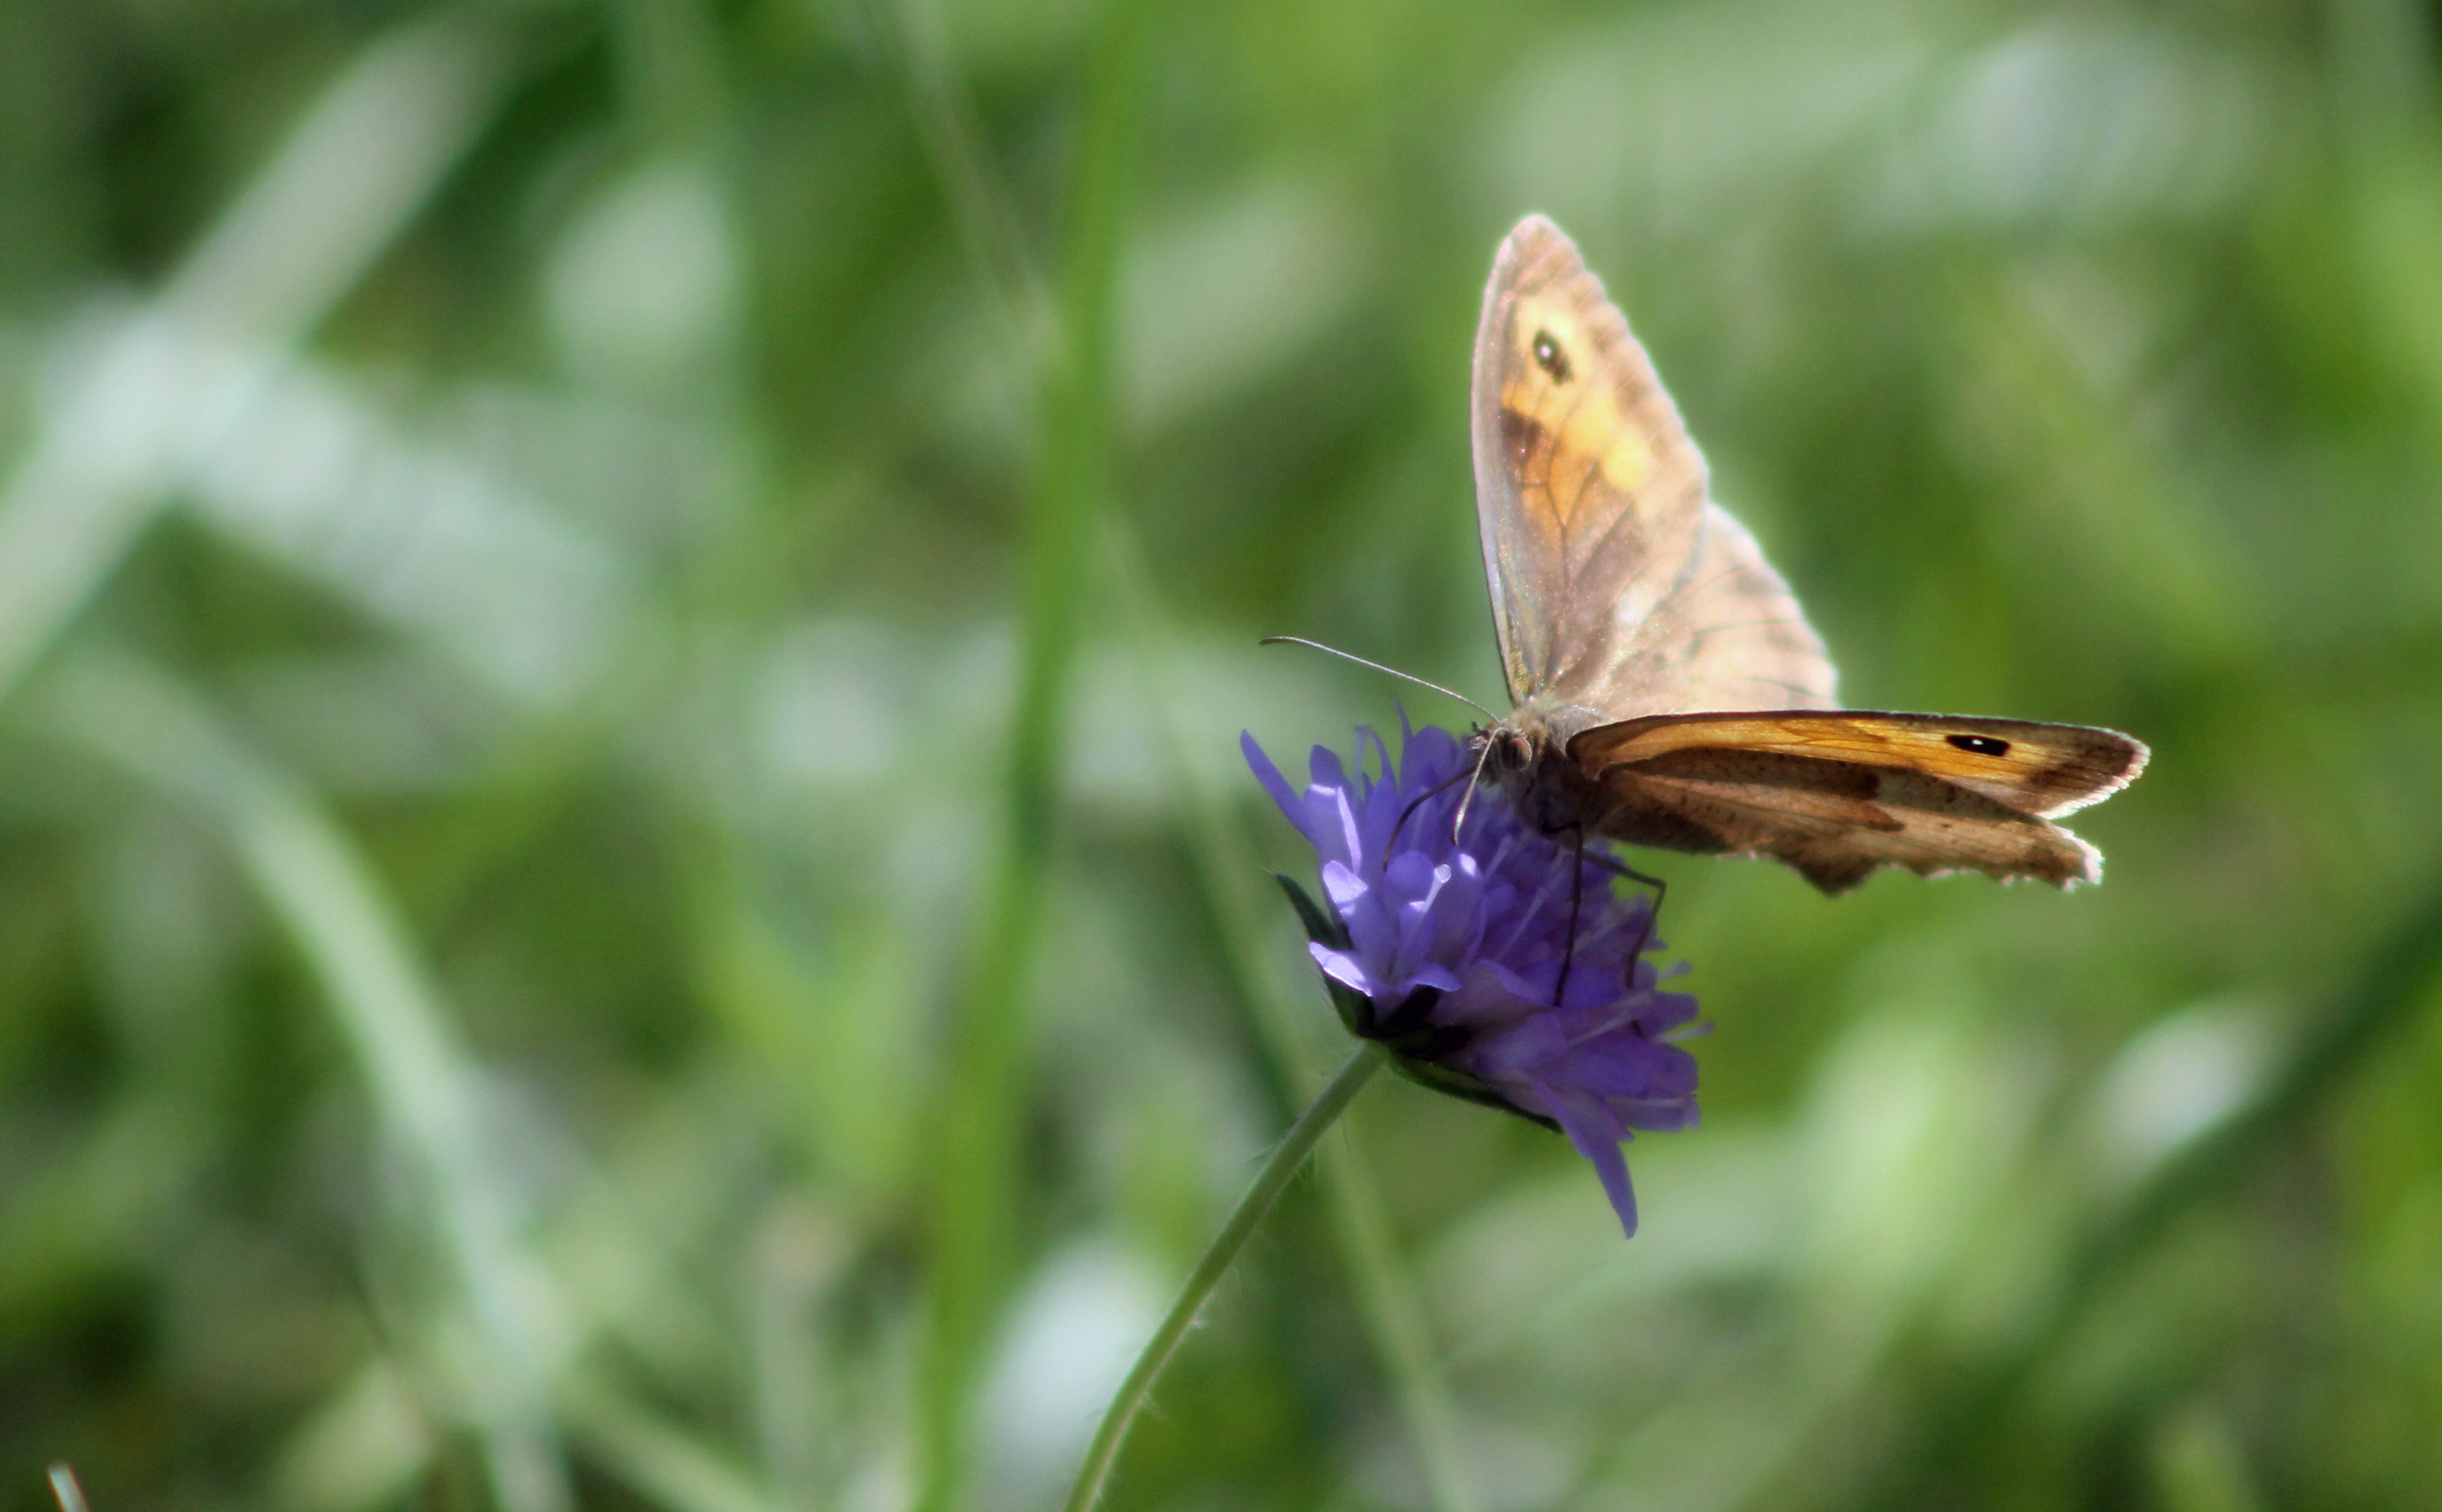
(1525, 756)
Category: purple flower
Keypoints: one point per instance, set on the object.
(1450, 949)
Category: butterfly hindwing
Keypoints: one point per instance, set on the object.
(1835, 822)
(1729, 636)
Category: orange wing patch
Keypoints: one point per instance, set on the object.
(1563, 414)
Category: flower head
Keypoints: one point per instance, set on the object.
(1452, 945)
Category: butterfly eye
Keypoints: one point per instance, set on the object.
(1980, 744)
(1549, 356)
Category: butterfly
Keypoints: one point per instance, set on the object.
(1666, 689)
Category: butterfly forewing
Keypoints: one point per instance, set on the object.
(1589, 495)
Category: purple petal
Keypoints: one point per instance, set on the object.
(1341, 885)
(1269, 775)
(1623, 1065)
(1344, 966)
(1434, 974)
(1596, 1135)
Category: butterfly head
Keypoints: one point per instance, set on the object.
(1508, 751)
(1525, 756)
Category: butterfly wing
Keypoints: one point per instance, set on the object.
(1588, 491)
(1838, 795)
(1614, 583)
(1729, 637)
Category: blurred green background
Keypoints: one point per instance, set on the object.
(624, 876)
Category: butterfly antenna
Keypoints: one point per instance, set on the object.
(1334, 650)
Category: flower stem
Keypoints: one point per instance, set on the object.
(1286, 1157)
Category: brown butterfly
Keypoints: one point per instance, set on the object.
(1666, 689)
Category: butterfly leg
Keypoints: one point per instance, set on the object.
(1652, 915)
(1576, 901)
(1418, 802)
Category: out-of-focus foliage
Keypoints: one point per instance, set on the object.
(524, 952)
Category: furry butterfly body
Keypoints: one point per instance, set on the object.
(1665, 688)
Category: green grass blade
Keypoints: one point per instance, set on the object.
(349, 178)
(350, 175)
(670, 1467)
(66, 1491)
(391, 1013)
(1393, 1310)
(986, 227)
(974, 1230)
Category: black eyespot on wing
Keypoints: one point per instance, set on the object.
(1980, 744)
(1549, 356)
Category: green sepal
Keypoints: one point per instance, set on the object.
(1354, 1009)
(1322, 926)
(1356, 1016)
